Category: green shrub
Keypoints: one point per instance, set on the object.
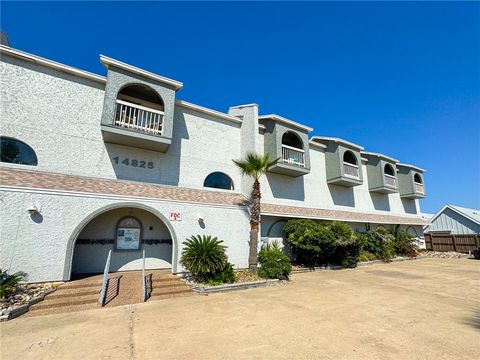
(9, 282)
(310, 241)
(366, 256)
(203, 256)
(347, 249)
(225, 276)
(379, 242)
(274, 264)
(405, 244)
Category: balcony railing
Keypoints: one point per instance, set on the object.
(390, 180)
(293, 156)
(136, 117)
(418, 188)
(351, 170)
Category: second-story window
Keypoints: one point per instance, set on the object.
(17, 152)
(218, 180)
(292, 149)
(389, 175)
(140, 108)
(350, 165)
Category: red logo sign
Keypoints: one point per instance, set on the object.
(175, 216)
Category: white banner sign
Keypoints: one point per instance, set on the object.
(128, 239)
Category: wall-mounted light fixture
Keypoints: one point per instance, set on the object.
(33, 209)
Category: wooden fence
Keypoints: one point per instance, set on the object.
(451, 242)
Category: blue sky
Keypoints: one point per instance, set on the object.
(402, 79)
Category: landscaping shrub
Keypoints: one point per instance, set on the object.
(224, 276)
(203, 256)
(405, 244)
(366, 256)
(310, 241)
(347, 249)
(9, 282)
(274, 264)
(379, 242)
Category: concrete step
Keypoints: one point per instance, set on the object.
(170, 285)
(166, 280)
(170, 294)
(64, 302)
(78, 285)
(65, 293)
(59, 310)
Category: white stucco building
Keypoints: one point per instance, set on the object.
(92, 163)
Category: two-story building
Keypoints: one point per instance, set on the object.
(93, 163)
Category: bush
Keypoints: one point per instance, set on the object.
(274, 264)
(347, 248)
(379, 242)
(9, 282)
(225, 276)
(366, 256)
(203, 256)
(405, 244)
(310, 241)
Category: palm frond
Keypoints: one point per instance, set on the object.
(255, 165)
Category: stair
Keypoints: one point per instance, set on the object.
(167, 286)
(75, 295)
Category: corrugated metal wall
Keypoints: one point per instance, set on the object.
(458, 224)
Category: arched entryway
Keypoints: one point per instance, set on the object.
(126, 230)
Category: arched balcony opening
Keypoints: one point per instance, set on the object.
(292, 149)
(418, 183)
(350, 165)
(140, 108)
(389, 176)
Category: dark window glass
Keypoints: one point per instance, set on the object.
(389, 170)
(348, 157)
(417, 178)
(218, 180)
(16, 152)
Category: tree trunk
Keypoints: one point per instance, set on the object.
(254, 226)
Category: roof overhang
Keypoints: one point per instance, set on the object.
(286, 121)
(105, 60)
(378, 155)
(325, 139)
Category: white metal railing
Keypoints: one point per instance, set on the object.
(138, 117)
(418, 188)
(103, 290)
(144, 280)
(292, 155)
(390, 180)
(351, 170)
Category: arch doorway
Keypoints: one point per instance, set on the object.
(127, 231)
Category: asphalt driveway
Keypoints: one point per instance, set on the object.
(423, 309)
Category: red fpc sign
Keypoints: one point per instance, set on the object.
(175, 216)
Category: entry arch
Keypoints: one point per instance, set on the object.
(67, 272)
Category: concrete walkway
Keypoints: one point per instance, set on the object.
(424, 309)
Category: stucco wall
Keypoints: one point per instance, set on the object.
(59, 116)
(312, 190)
(43, 245)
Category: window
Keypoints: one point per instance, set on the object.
(350, 158)
(17, 152)
(418, 179)
(389, 170)
(292, 139)
(218, 180)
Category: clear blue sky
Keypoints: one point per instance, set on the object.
(402, 79)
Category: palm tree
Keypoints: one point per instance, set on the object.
(255, 166)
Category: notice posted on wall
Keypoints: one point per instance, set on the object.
(128, 239)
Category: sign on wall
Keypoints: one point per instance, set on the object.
(175, 216)
(128, 238)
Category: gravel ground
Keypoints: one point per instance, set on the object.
(444, 254)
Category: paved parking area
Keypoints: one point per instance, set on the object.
(423, 309)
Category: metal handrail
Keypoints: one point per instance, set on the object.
(144, 281)
(103, 290)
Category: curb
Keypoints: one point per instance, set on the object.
(232, 287)
(22, 309)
